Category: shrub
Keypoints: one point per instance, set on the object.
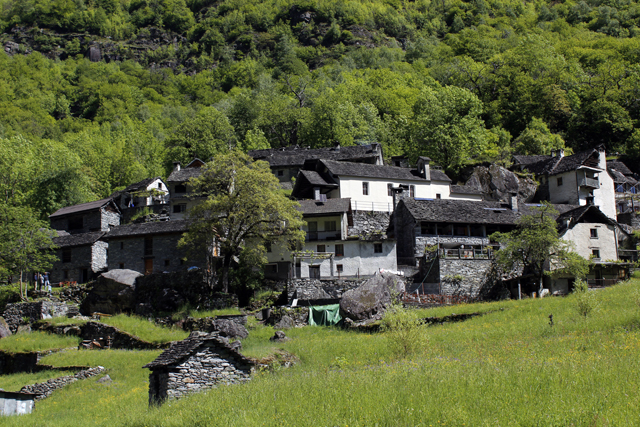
(586, 301)
(404, 331)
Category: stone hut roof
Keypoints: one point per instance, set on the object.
(469, 211)
(620, 178)
(587, 212)
(380, 171)
(557, 165)
(317, 180)
(142, 229)
(331, 206)
(296, 156)
(619, 166)
(83, 207)
(184, 175)
(66, 240)
(181, 350)
(523, 160)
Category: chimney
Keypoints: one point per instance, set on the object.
(560, 153)
(513, 201)
(176, 166)
(316, 193)
(399, 193)
(423, 167)
(553, 153)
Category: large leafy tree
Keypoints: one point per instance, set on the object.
(243, 210)
(536, 245)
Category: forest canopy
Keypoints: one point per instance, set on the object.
(462, 82)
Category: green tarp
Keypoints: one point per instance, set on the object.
(324, 315)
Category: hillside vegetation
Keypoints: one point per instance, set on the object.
(507, 367)
(461, 82)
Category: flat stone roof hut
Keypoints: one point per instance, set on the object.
(200, 362)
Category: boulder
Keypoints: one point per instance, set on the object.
(229, 328)
(497, 183)
(279, 336)
(112, 293)
(285, 322)
(4, 328)
(369, 300)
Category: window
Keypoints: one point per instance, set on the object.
(329, 226)
(66, 255)
(148, 246)
(365, 188)
(428, 228)
(595, 253)
(312, 226)
(179, 208)
(445, 229)
(180, 188)
(559, 180)
(377, 248)
(267, 245)
(438, 196)
(412, 191)
(339, 268)
(167, 263)
(271, 268)
(476, 231)
(320, 248)
(390, 190)
(121, 265)
(460, 230)
(121, 245)
(594, 233)
(159, 186)
(280, 173)
(340, 250)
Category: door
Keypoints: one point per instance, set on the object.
(84, 276)
(148, 266)
(314, 271)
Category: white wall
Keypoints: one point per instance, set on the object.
(583, 243)
(567, 192)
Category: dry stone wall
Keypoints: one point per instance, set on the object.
(30, 312)
(310, 289)
(463, 276)
(44, 390)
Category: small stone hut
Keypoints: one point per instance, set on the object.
(198, 363)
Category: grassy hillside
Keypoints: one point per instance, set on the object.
(508, 367)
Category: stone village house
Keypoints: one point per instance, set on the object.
(200, 362)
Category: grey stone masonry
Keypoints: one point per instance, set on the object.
(164, 255)
(82, 264)
(423, 241)
(44, 390)
(313, 289)
(369, 223)
(30, 312)
(464, 276)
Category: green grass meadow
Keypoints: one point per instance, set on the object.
(508, 367)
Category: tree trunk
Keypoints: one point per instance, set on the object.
(541, 285)
(224, 276)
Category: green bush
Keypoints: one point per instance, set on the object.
(404, 330)
(586, 301)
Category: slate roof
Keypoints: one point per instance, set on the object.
(315, 179)
(158, 227)
(140, 186)
(619, 178)
(296, 156)
(575, 215)
(181, 350)
(527, 160)
(184, 174)
(66, 240)
(380, 171)
(619, 166)
(553, 165)
(83, 207)
(465, 189)
(331, 206)
(469, 211)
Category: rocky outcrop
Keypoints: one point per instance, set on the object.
(497, 183)
(5, 331)
(370, 299)
(113, 292)
(22, 314)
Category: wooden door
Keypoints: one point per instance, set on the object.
(148, 266)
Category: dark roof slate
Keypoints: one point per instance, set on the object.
(140, 186)
(469, 211)
(83, 207)
(554, 165)
(380, 171)
(619, 166)
(575, 215)
(158, 227)
(315, 179)
(66, 240)
(180, 350)
(296, 156)
(331, 206)
(527, 160)
(184, 174)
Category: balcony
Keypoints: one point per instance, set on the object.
(315, 236)
(589, 182)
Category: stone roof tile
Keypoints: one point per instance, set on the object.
(66, 240)
(146, 228)
(83, 207)
(380, 171)
(331, 206)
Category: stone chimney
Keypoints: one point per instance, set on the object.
(560, 153)
(423, 167)
(316, 193)
(513, 201)
(399, 193)
(176, 166)
(553, 153)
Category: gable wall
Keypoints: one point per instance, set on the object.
(583, 243)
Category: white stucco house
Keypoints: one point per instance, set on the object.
(329, 251)
(148, 192)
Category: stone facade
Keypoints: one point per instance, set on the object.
(463, 276)
(424, 241)
(305, 290)
(199, 363)
(164, 256)
(94, 220)
(84, 263)
(367, 223)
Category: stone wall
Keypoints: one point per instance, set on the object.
(369, 223)
(108, 219)
(464, 276)
(29, 312)
(129, 253)
(13, 363)
(313, 289)
(170, 291)
(207, 368)
(92, 258)
(44, 390)
(630, 218)
(422, 241)
(95, 331)
(404, 228)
